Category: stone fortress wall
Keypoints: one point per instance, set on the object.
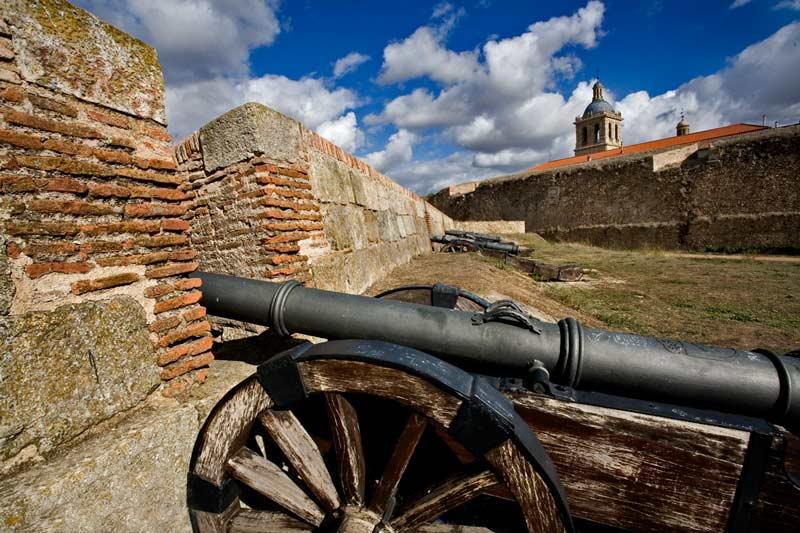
(273, 200)
(739, 193)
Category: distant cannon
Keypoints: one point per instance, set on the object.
(470, 242)
(405, 369)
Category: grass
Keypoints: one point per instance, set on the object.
(739, 302)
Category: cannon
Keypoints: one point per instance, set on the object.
(473, 235)
(432, 409)
(474, 242)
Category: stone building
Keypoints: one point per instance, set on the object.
(597, 130)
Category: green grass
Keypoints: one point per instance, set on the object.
(745, 303)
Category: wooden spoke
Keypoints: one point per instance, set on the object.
(358, 521)
(448, 495)
(463, 455)
(528, 488)
(268, 479)
(301, 451)
(227, 429)
(215, 522)
(354, 376)
(398, 463)
(349, 451)
(249, 521)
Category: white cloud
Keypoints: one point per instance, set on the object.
(308, 100)
(433, 174)
(441, 9)
(343, 131)
(349, 63)
(398, 150)
(195, 39)
(739, 3)
(422, 54)
(788, 4)
(762, 79)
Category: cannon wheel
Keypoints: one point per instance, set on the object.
(460, 246)
(352, 436)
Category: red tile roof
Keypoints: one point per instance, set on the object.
(660, 144)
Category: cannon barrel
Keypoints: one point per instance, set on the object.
(473, 235)
(758, 384)
(499, 246)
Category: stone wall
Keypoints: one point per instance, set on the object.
(492, 226)
(95, 310)
(273, 200)
(738, 193)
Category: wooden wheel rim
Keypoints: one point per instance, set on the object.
(465, 411)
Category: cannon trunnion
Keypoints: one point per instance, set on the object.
(376, 432)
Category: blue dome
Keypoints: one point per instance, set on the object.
(598, 106)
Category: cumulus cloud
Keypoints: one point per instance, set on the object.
(422, 54)
(343, 131)
(761, 79)
(399, 150)
(349, 63)
(308, 100)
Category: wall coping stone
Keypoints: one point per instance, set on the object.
(246, 131)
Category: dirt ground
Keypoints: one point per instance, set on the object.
(739, 301)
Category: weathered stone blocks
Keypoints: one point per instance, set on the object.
(60, 46)
(247, 131)
(70, 368)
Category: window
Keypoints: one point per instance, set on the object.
(585, 137)
(610, 136)
(597, 133)
(616, 130)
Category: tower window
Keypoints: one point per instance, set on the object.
(585, 137)
(597, 133)
(616, 130)
(610, 136)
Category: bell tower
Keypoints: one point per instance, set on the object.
(598, 129)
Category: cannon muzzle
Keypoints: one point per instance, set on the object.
(750, 383)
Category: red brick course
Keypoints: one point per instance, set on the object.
(94, 195)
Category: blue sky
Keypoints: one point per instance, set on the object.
(433, 93)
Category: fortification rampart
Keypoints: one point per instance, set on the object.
(738, 193)
(273, 200)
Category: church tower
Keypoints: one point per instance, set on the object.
(683, 127)
(598, 129)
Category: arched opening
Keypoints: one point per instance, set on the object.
(585, 137)
(616, 131)
(597, 133)
(610, 135)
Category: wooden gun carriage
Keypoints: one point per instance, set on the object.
(432, 410)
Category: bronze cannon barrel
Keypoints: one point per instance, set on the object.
(751, 383)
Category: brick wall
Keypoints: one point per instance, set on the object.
(739, 193)
(273, 200)
(251, 217)
(91, 210)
